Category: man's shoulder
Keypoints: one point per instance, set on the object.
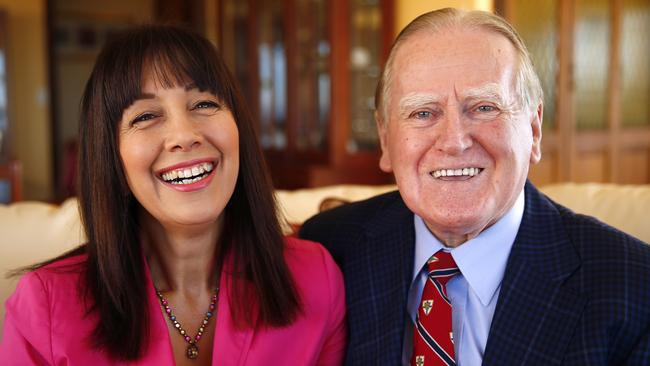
(593, 237)
(613, 264)
(599, 243)
(347, 225)
(355, 213)
(589, 236)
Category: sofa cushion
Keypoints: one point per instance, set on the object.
(31, 232)
(626, 207)
(298, 205)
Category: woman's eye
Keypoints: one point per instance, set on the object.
(206, 104)
(143, 117)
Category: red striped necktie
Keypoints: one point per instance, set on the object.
(433, 341)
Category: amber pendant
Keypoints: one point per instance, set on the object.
(192, 351)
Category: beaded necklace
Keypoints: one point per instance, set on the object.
(192, 351)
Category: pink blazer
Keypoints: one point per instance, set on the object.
(45, 321)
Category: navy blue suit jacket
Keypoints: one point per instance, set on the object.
(575, 291)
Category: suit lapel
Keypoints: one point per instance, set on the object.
(232, 342)
(536, 313)
(386, 261)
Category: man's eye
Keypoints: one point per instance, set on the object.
(486, 108)
(422, 114)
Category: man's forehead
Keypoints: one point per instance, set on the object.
(455, 46)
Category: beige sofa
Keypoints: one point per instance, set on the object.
(34, 231)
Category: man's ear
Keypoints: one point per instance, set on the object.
(382, 127)
(536, 125)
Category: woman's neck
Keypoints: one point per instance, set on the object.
(181, 259)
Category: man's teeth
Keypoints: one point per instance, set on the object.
(188, 175)
(470, 172)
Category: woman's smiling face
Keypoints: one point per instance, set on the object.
(180, 151)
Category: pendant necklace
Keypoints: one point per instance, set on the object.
(192, 351)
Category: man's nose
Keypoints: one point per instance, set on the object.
(452, 135)
(182, 133)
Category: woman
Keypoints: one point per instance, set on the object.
(185, 260)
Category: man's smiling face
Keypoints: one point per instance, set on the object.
(457, 136)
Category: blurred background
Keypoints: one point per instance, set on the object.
(309, 68)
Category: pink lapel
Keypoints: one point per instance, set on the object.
(231, 344)
(159, 350)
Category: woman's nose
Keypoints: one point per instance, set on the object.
(183, 133)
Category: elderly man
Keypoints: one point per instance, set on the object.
(468, 263)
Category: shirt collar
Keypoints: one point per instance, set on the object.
(481, 260)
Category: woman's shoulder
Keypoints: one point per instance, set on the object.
(61, 276)
(55, 288)
(48, 302)
(306, 252)
(311, 263)
(62, 269)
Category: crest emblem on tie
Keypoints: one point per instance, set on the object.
(433, 259)
(419, 360)
(426, 306)
(451, 337)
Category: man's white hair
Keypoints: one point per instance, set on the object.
(527, 85)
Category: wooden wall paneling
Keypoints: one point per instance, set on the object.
(545, 171)
(637, 137)
(614, 154)
(614, 92)
(388, 28)
(590, 166)
(634, 166)
(592, 141)
(54, 107)
(253, 60)
(340, 97)
(290, 33)
(565, 117)
(506, 8)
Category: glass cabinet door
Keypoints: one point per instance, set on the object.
(310, 69)
(365, 69)
(635, 72)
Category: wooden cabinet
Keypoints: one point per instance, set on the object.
(593, 57)
(309, 70)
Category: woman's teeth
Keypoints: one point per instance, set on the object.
(188, 175)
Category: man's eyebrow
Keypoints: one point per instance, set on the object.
(416, 100)
(491, 91)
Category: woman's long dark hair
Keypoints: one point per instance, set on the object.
(252, 236)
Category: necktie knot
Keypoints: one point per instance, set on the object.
(442, 267)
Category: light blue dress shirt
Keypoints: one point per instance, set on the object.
(474, 292)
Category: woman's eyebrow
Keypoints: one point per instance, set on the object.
(145, 96)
